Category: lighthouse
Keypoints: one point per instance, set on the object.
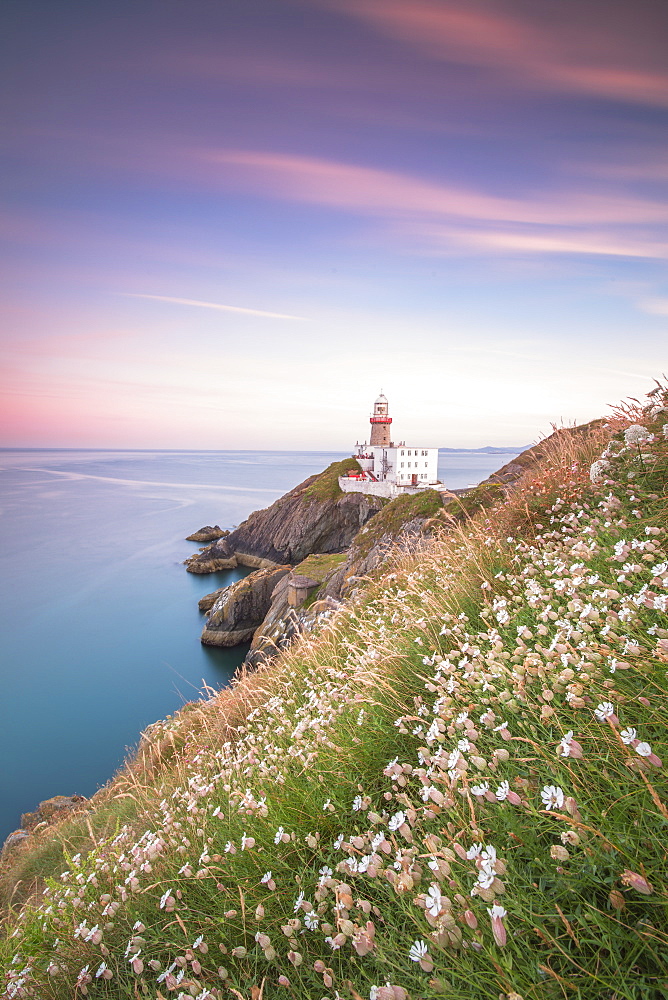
(386, 469)
(380, 424)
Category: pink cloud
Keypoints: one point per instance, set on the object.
(564, 242)
(609, 57)
(380, 192)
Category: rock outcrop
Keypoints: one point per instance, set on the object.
(284, 620)
(313, 517)
(213, 558)
(241, 608)
(46, 814)
(402, 523)
(207, 534)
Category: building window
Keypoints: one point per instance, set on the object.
(402, 464)
(402, 453)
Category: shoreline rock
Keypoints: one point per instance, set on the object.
(213, 558)
(46, 814)
(207, 534)
(240, 609)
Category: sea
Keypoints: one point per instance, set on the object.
(99, 624)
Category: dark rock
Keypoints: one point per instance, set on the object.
(207, 602)
(207, 534)
(50, 810)
(13, 841)
(47, 813)
(213, 558)
(280, 625)
(241, 608)
(315, 516)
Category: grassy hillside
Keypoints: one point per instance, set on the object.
(395, 516)
(455, 789)
(326, 485)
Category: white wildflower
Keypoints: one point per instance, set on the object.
(502, 791)
(637, 434)
(417, 951)
(396, 821)
(434, 900)
(597, 470)
(552, 796)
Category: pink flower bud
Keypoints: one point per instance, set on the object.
(497, 913)
(637, 882)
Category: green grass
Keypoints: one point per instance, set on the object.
(389, 522)
(319, 564)
(326, 485)
(393, 771)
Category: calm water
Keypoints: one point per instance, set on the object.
(98, 617)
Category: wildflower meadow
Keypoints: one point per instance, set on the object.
(455, 787)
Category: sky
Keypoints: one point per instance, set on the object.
(232, 223)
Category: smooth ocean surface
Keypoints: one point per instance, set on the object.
(99, 625)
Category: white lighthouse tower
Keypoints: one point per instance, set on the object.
(387, 469)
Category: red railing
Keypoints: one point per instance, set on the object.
(380, 420)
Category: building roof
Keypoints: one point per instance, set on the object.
(303, 582)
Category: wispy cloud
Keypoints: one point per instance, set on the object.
(555, 52)
(601, 244)
(435, 215)
(213, 305)
(375, 191)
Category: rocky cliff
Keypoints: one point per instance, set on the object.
(313, 517)
(240, 609)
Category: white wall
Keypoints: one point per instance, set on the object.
(410, 461)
